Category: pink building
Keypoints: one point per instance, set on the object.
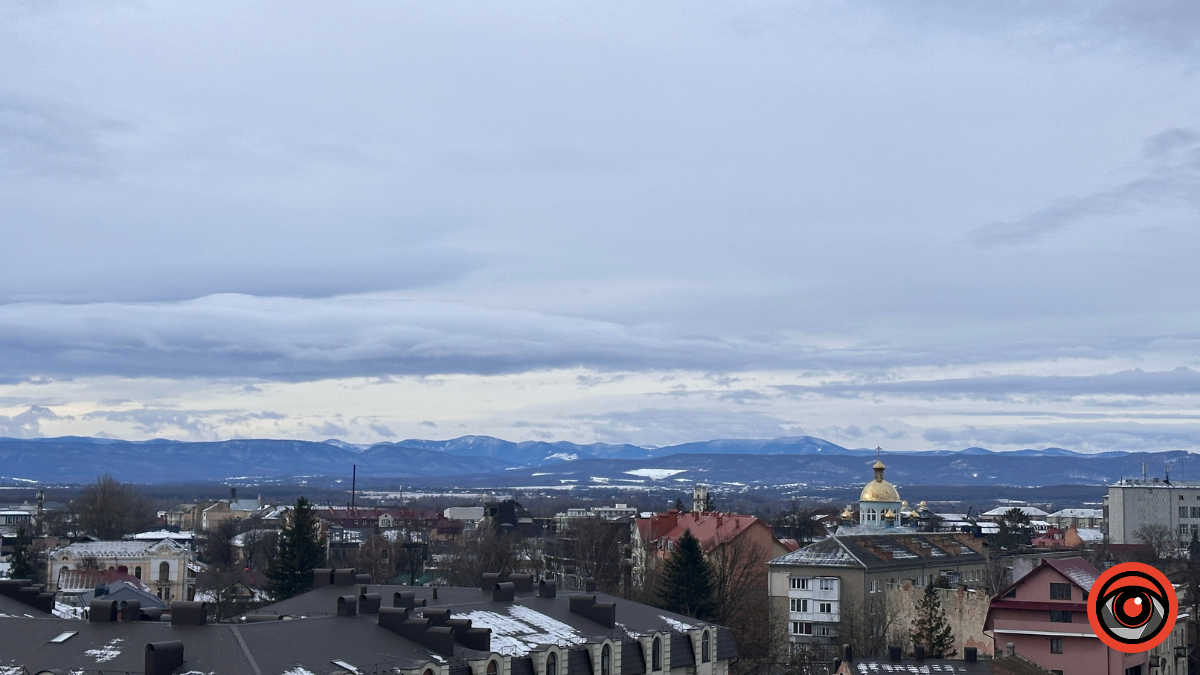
(1044, 616)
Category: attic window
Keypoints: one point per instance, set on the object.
(63, 637)
(344, 666)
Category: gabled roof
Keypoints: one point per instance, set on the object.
(1077, 570)
(114, 549)
(711, 528)
(882, 550)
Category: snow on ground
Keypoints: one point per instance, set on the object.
(655, 474)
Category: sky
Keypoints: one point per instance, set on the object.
(919, 225)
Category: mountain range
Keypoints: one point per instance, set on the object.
(493, 462)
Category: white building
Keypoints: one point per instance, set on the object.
(161, 565)
(1090, 519)
(1132, 504)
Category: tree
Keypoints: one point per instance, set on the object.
(1158, 538)
(218, 545)
(22, 557)
(740, 590)
(490, 551)
(931, 629)
(679, 504)
(301, 550)
(687, 580)
(109, 509)
(1016, 528)
(1194, 551)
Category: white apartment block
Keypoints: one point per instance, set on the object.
(1130, 504)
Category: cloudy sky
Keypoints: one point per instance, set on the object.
(916, 225)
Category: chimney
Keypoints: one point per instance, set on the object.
(103, 611)
(603, 613)
(347, 605)
(547, 588)
(488, 581)
(1010, 649)
(344, 577)
(322, 576)
(970, 655)
(589, 585)
(131, 610)
(847, 654)
(368, 603)
(894, 653)
(503, 592)
(232, 493)
(522, 582)
(437, 617)
(408, 599)
(162, 658)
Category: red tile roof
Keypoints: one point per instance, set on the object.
(711, 528)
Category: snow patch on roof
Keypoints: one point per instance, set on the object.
(523, 630)
(675, 623)
(106, 653)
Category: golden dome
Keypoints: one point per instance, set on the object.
(890, 515)
(879, 490)
(847, 514)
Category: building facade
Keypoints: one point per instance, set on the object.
(1044, 617)
(1133, 504)
(164, 566)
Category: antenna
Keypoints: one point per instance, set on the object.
(1143, 471)
(353, 482)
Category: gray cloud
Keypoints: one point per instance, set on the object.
(26, 424)
(329, 429)
(157, 420)
(382, 430)
(1172, 179)
(672, 426)
(1178, 382)
(41, 138)
(1080, 437)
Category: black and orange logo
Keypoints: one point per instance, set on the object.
(1132, 607)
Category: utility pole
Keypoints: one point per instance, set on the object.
(353, 482)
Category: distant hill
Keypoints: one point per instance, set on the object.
(487, 461)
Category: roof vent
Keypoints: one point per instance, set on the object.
(504, 592)
(547, 589)
(131, 610)
(362, 578)
(894, 653)
(970, 655)
(919, 652)
(603, 613)
(407, 599)
(188, 613)
(322, 577)
(368, 603)
(437, 617)
(344, 577)
(589, 585)
(488, 581)
(478, 639)
(162, 658)
(347, 605)
(522, 582)
(102, 611)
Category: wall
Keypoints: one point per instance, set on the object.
(966, 611)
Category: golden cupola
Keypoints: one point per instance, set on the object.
(879, 490)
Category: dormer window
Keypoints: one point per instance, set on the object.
(705, 648)
(606, 660)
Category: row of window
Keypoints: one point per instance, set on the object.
(1189, 512)
(802, 605)
(817, 629)
(805, 584)
(1186, 531)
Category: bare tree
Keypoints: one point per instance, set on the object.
(218, 545)
(376, 557)
(740, 585)
(867, 628)
(1159, 538)
(597, 548)
(109, 509)
(472, 557)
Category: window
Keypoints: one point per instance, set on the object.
(799, 604)
(1060, 591)
(801, 584)
(801, 628)
(1060, 616)
(705, 649)
(552, 660)
(1196, 511)
(874, 586)
(1055, 645)
(1183, 512)
(823, 630)
(825, 607)
(656, 654)
(827, 584)
(606, 659)
(493, 668)
(428, 671)
(1059, 671)
(1183, 531)
(1136, 670)
(137, 572)
(164, 572)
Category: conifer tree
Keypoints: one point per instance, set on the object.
(687, 580)
(22, 558)
(1194, 550)
(300, 552)
(931, 628)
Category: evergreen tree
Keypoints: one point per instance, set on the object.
(1194, 550)
(687, 580)
(679, 503)
(22, 558)
(300, 552)
(931, 628)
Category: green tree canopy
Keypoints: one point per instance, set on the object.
(301, 550)
(931, 628)
(687, 580)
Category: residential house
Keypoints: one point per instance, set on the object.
(1043, 615)
(997, 514)
(162, 565)
(1064, 519)
(225, 509)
